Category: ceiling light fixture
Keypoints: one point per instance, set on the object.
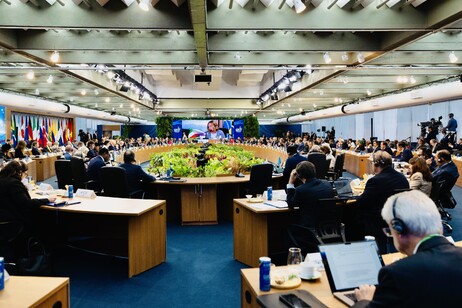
(369, 93)
(412, 80)
(96, 92)
(30, 75)
(37, 92)
(327, 58)
(50, 79)
(83, 92)
(360, 57)
(345, 56)
(283, 84)
(107, 99)
(299, 6)
(54, 56)
(452, 57)
(144, 5)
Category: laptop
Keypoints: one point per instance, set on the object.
(349, 265)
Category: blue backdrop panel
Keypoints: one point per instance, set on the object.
(280, 130)
(139, 130)
(177, 129)
(2, 125)
(238, 129)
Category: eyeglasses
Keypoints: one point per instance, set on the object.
(387, 232)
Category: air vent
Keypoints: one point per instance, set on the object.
(202, 78)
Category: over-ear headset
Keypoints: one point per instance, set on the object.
(378, 160)
(396, 223)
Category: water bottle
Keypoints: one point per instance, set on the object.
(270, 193)
(70, 191)
(265, 279)
(169, 171)
(2, 273)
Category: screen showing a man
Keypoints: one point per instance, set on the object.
(213, 132)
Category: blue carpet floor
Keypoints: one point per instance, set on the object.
(200, 270)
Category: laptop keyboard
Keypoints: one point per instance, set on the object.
(351, 296)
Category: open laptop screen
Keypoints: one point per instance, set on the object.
(349, 265)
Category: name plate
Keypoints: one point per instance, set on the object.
(85, 193)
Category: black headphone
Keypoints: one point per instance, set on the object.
(396, 223)
(378, 162)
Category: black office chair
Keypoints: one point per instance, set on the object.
(435, 196)
(115, 184)
(320, 162)
(338, 167)
(328, 227)
(63, 173)
(260, 178)
(79, 175)
(9, 232)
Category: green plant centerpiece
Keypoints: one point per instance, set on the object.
(220, 160)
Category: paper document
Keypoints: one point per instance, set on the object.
(277, 204)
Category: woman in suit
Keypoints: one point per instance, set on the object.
(15, 201)
(421, 176)
(20, 150)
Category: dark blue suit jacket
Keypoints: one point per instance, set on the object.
(290, 165)
(305, 197)
(94, 165)
(405, 155)
(136, 175)
(430, 278)
(378, 189)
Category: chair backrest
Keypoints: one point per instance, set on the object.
(63, 173)
(79, 172)
(114, 181)
(328, 225)
(260, 178)
(339, 162)
(436, 190)
(319, 161)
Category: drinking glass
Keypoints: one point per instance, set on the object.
(295, 256)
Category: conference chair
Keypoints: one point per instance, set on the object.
(435, 196)
(63, 173)
(260, 178)
(9, 232)
(338, 167)
(115, 184)
(328, 227)
(320, 162)
(79, 175)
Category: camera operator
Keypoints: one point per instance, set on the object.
(431, 133)
(451, 129)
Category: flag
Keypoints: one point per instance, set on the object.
(60, 131)
(26, 130)
(29, 128)
(36, 128)
(21, 137)
(14, 130)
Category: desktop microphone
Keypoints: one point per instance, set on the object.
(239, 174)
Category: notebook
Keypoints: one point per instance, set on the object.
(349, 265)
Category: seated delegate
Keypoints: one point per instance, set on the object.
(95, 164)
(421, 176)
(378, 188)
(135, 174)
(15, 201)
(430, 275)
(305, 196)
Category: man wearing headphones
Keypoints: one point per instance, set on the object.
(431, 274)
(386, 182)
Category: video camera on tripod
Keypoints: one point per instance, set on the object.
(434, 124)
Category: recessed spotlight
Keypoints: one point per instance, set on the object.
(360, 57)
(96, 105)
(54, 56)
(30, 75)
(50, 79)
(107, 99)
(110, 74)
(345, 57)
(37, 92)
(327, 58)
(452, 57)
(83, 92)
(96, 92)
(121, 106)
(369, 93)
(144, 5)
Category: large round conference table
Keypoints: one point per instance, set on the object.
(203, 200)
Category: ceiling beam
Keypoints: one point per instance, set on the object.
(198, 18)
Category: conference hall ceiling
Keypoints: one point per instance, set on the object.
(196, 58)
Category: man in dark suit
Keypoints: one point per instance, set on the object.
(404, 153)
(291, 162)
(446, 172)
(306, 195)
(385, 148)
(95, 164)
(415, 225)
(378, 188)
(135, 174)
